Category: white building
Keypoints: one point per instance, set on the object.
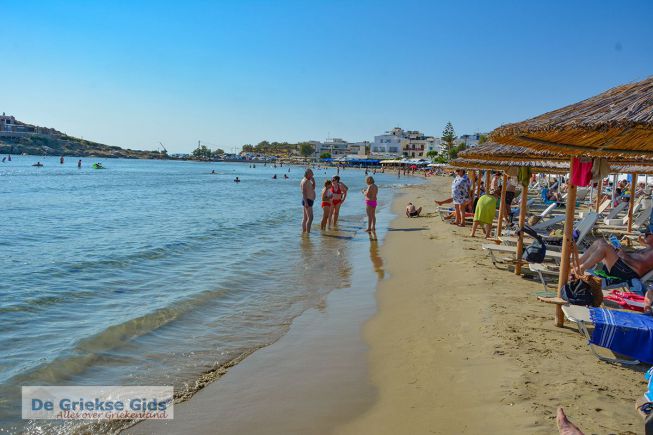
(7, 122)
(470, 140)
(435, 145)
(389, 142)
(336, 147)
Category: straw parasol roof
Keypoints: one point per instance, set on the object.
(500, 165)
(496, 151)
(547, 166)
(618, 122)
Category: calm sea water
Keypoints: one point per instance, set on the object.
(156, 272)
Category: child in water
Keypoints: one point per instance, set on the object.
(326, 205)
(370, 204)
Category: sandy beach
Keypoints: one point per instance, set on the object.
(451, 345)
(458, 346)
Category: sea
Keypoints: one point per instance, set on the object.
(156, 272)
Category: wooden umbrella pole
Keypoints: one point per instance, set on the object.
(478, 184)
(522, 220)
(631, 204)
(599, 193)
(487, 181)
(502, 205)
(566, 244)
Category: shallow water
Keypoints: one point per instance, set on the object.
(155, 272)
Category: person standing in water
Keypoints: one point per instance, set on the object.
(61, 160)
(326, 205)
(307, 186)
(339, 192)
(370, 204)
(79, 164)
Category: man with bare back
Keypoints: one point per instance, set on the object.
(307, 187)
(618, 263)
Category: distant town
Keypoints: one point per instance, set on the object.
(22, 138)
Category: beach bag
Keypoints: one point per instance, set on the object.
(582, 291)
(536, 251)
(586, 290)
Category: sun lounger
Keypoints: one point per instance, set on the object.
(493, 249)
(547, 224)
(616, 210)
(622, 332)
(638, 221)
(636, 285)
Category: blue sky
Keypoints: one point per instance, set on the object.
(133, 73)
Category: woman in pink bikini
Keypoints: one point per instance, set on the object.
(326, 205)
(370, 204)
(339, 194)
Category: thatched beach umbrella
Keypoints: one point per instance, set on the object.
(617, 124)
(545, 166)
(495, 151)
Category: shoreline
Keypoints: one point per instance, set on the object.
(445, 344)
(314, 377)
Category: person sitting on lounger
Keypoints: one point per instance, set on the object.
(411, 211)
(618, 263)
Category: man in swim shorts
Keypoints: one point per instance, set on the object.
(307, 186)
(617, 263)
(412, 211)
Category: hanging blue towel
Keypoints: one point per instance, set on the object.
(629, 334)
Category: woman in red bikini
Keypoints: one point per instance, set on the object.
(326, 205)
(370, 204)
(339, 194)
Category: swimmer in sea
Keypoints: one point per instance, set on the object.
(274, 177)
(370, 204)
(237, 180)
(79, 164)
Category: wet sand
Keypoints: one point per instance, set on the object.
(307, 382)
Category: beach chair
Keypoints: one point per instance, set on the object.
(624, 333)
(584, 227)
(635, 285)
(495, 250)
(544, 226)
(615, 211)
(604, 206)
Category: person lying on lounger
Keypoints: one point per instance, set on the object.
(616, 262)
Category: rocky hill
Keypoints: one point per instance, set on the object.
(25, 138)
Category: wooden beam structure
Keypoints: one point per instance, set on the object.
(502, 205)
(523, 205)
(566, 245)
(599, 195)
(587, 150)
(631, 204)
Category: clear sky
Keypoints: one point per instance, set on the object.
(133, 73)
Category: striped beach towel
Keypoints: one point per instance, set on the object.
(628, 334)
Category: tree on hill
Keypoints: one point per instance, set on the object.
(306, 149)
(325, 155)
(482, 139)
